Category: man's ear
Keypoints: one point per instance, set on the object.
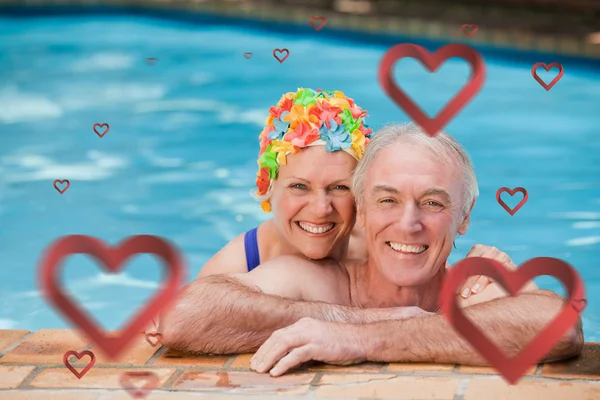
(464, 225)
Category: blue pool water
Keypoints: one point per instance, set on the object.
(179, 160)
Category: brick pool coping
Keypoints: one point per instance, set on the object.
(513, 36)
(31, 368)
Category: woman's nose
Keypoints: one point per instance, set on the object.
(321, 204)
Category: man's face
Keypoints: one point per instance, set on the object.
(411, 212)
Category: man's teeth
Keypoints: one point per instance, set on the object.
(315, 228)
(406, 248)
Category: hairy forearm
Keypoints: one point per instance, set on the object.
(220, 315)
(510, 322)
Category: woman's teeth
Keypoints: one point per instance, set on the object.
(315, 228)
(408, 248)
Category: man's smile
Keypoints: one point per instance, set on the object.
(408, 248)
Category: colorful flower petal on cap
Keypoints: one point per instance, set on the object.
(336, 137)
(263, 181)
(305, 97)
(300, 114)
(269, 160)
(302, 136)
(282, 147)
(281, 128)
(325, 112)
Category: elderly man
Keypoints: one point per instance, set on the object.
(414, 194)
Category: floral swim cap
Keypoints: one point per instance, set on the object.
(308, 118)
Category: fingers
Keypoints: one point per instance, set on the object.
(295, 358)
(476, 251)
(469, 285)
(275, 348)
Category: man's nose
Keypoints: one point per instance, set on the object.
(321, 204)
(409, 219)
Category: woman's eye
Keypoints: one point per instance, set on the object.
(298, 186)
(341, 187)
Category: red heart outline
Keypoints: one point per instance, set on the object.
(126, 378)
(281, 51)
(70, 353)
(465, 28)
(432, 62)
(318, 27)
(113, 260)
(579, 305)
(101, 126)
(512, 193)
(513, 280)
(547, 68)
(61, 182)
(157, 335)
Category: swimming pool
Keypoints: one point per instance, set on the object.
(180, 157)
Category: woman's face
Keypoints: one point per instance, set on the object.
(312, 204)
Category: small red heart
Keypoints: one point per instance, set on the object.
(579, 305)
(79, 355)
(281, 51)
(112, 259)
(101, 126)
(432, 62)
(130, 378)
(157, 338)
(248, 55)
(549, 86)
(512, 280)
(61, 182)
(512, 193)
(470, 29)
(317, 26)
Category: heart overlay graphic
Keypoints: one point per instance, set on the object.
(549, 86)
(470, 29)
(512, 193)
(101, 126)
(153, 338)
(70, 353)
(61, 182)
(248, 55)
(129, 378)
(317, 22)
(151, 61)
(113, 260)
(432, 62)
(579, 305)
(512, 369)
(281, 51)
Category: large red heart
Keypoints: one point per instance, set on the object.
(127, 380)
(432, 61)
(113, 260)
(512, 368)
(79, 356)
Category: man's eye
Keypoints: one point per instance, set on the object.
(386, 200)
(434, 203)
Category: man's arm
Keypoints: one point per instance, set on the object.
(510, 322)
(237, 313)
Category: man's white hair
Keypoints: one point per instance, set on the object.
(442, 145)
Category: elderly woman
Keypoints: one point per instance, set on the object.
(309, 148)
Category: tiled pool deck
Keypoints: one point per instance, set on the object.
(31, 368)
(573, 33)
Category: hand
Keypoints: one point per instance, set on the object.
(477, 283)
(309, 339)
